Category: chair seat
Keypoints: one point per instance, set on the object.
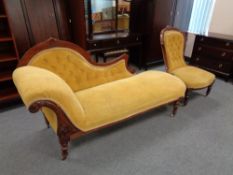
(193, 77)
(112, 102)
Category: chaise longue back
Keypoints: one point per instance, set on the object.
(73, 65)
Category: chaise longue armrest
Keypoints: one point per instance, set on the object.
(36, 84)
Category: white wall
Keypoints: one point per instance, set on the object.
(189, 45)
(221, 24)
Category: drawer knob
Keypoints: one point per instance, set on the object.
(223, 54)
(199, 48)
(137, 39)
(95, 44)
(202, 39)
(197, 59)
(118, 42)
(220, 65)
(227, 44)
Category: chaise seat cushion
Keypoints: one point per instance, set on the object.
(111, 102)
(194, 77)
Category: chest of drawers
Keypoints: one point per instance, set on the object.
(213, 54)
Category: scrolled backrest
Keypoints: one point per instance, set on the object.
(173, 44)
(67, 63)
(73, 64)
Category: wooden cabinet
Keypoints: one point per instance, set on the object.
(41, 19)
(215, 55)
(149, 18)
(31, 21)
(8, 58)
(100, 42)
(34, 21)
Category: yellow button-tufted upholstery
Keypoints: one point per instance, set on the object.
(75, 70)
(174, 42)
(174, 47)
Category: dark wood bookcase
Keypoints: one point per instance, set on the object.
(8, 59)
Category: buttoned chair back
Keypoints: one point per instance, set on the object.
(173, 44)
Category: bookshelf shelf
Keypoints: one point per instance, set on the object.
(8, 58)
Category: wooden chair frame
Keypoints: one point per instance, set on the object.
(169, 28)
(66, 131)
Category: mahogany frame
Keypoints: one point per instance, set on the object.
(188, 90)
(66, 131)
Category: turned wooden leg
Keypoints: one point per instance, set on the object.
(208, 90)
(185, 102)
(175, 107)
(64, 151)
(64, 139)
(64, 142)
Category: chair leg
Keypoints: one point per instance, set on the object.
(208, 90)
(175, 107)
(185, 102)
(64, 140)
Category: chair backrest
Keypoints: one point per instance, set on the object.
(173, 44)
(69, 61)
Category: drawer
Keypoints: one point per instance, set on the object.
(201, 61)
(223, 67)
(115, 42)
(215, 42)
(94, 45)
(214, 64)
(207, 51)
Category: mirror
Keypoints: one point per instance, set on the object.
(103, 15)
(107, 16)
(123, 15)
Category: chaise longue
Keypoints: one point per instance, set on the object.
(78, 96)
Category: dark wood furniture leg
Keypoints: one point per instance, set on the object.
(186, 97)
(64, 140)
(209, 90)
(65, 128)
(175, 107)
